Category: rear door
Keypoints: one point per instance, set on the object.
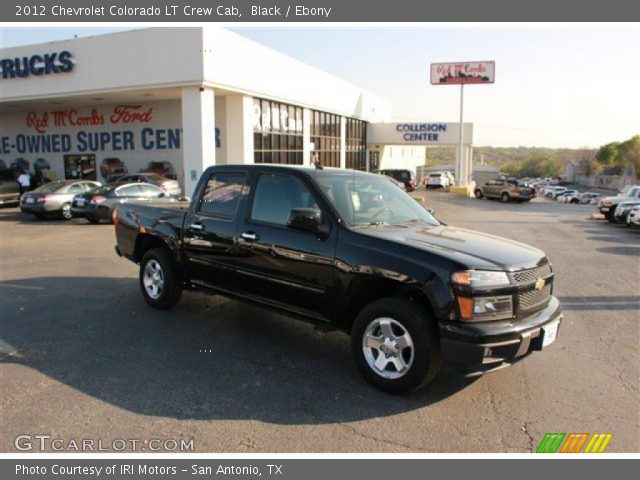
(209, 236)
(287, 268)
(497, 187)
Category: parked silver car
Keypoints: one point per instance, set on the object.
(102, 203)
(55, 198)
(168, 185)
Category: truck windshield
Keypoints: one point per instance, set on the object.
(364, 199)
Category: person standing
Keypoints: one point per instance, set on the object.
(24, 180)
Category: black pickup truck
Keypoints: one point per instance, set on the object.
(351, 251)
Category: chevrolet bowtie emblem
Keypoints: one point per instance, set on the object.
(540, 283)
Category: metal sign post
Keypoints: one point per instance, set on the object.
(461, 170)
(462, 73)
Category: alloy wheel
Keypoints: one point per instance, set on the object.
(388, 348)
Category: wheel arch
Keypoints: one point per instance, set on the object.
(365, 289)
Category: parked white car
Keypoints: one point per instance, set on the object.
(437, 180)
(564, 197)
(553, 192)
(633, 218)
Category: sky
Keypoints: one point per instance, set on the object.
(556, 86)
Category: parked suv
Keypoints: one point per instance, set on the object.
(349, 250)
(9, 188)
(607, 205)
(505, 190)
(405, 176)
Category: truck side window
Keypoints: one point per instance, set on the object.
(276, 196)
(222, 194)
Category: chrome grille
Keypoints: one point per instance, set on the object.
(532, 274)
(534, 298)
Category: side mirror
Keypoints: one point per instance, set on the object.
(431, 211)
(308, 220)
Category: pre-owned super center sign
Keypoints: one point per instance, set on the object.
(463, 73)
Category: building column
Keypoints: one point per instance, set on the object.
(198, 134)
(343, 142)
(306, 137)
(239, 129)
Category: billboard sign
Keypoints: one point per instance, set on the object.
(463, 73)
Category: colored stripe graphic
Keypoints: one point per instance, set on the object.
(574, 442)
(550, 443)
(598, 443)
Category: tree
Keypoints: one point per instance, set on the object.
(629, 153)
(607, 155)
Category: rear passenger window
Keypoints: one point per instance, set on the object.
(222, 194)
(276, 196)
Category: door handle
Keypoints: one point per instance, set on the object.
(196, 226)
(249, 236)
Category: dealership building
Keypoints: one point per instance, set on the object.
(177, 100)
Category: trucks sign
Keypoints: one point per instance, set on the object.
(463, 73)
(36, 65)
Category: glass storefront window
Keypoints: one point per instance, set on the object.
(356, 148)
(277, 132)
(325, 136)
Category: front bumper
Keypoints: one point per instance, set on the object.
(606, 209)
(473, 349)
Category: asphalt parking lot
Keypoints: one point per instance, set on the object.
(83, 357)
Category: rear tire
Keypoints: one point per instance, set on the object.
(395, 345)
(505, 198)
(160, 280)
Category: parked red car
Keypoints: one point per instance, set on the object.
(164, 169)
(111, 165)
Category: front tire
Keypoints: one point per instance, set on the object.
(65, 212)
(395, 345)
(478, 194)
(159, 279)
(505, 198)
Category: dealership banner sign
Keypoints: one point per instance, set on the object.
(463, 73)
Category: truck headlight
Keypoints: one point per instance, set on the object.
(485, 308)
(480, 278)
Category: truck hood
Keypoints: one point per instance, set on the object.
(618, 199)
(468, 247)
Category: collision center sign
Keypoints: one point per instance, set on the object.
(463, 73)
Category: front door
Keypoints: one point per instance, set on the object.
(287, 268)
